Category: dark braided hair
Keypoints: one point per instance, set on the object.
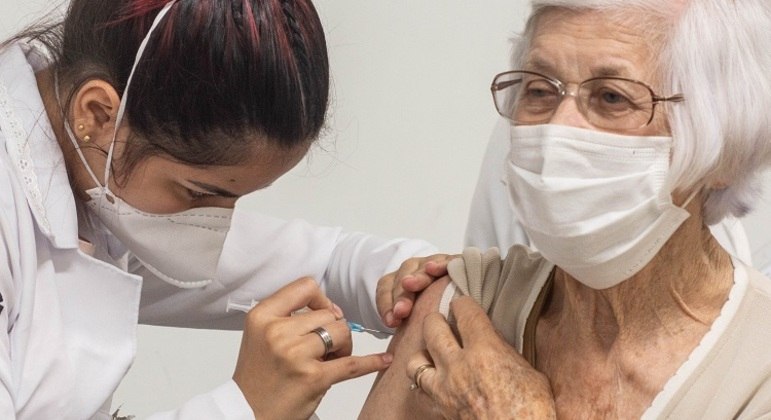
(217, 75)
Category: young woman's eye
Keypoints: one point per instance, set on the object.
(197, 195)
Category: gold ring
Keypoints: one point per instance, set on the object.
(418, 373)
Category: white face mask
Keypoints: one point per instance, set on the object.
(592, 203)
(182, 248)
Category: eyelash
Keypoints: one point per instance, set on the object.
(198, 195)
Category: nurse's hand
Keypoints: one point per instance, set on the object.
(396, 291)
(485, 377)
(283, 368)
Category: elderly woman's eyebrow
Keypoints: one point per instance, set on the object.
(609, 71)
(538, 65)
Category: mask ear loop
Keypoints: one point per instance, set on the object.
(122, 106)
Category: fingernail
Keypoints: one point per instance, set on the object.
(387, 358)
(337, 310)
(389, 318)
(399, 307)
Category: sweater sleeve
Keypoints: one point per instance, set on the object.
(506, 289)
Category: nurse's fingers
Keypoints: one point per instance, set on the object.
(401, 299)
(303, 322)
(385, 300)
(413, 276)
(434, 267)
(329, 341)
(350, 367)
(301, 293)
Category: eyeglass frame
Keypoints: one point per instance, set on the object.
(562, 89)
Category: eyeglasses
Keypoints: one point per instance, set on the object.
(612, 103)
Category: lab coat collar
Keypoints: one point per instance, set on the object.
(32, 147)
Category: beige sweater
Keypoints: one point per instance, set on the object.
(727, 376)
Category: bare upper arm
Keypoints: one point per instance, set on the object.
(390, 396)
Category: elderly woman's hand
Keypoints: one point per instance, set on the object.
(284, 367)
(482, 378)
(396, 291)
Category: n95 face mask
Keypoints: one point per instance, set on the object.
(182, 249)
(593, 203)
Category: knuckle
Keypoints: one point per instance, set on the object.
(384, 284)
(272, 332)
(290, 352)
(254, 320)
(308, 283)
(351, 367)
(312, 373)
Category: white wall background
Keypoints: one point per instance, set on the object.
(409, 121)
(410, 118)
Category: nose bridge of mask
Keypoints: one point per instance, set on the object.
(573, 167)
(621, 152)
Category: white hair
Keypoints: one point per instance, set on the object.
(717, 53)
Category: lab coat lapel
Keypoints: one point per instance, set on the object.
(32, 146)
(99, 314)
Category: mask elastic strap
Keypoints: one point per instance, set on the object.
(122, 106)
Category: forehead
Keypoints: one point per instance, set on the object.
(576, 45)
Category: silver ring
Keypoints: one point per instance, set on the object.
(418, 373)
(326, 338)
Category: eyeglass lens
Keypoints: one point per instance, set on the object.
(609, 103)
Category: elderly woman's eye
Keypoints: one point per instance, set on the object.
(537, 93)
(613, 98)
(537, 97)
(611, 101)
(538, 90)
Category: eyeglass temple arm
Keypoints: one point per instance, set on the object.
(504, 85)
(674, 98)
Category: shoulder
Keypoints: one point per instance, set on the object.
(523, 260)
(483, 274)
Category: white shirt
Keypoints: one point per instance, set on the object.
(70, 318)
(492, 222)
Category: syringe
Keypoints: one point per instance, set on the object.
(246, 307)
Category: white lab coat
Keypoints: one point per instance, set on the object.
(70, 318)
(492, 222)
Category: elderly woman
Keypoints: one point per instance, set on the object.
(635, 125)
